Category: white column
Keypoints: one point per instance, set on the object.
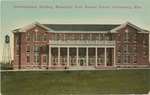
(105, 56)
(49, 56)
(114, 56)
(96, 56)
(77, 56)
(58, 56)
(86, 56)
(68, 56)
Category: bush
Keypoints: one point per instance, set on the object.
(6, 66)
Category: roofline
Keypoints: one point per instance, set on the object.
(81, 32)
(125, 24)
(32, 25)
(49, 30)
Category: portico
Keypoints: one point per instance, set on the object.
(81, 54)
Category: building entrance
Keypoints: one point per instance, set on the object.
(82, 61)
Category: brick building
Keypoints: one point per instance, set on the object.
(80, 46)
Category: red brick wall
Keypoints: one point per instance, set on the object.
(141, 60)
(16, 47)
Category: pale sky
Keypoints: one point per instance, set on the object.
(13, 18)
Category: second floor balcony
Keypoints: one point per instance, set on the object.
(85, 42)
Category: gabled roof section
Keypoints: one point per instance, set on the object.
(81, 27)
(130, 24)
(30, 26)
(78, 28)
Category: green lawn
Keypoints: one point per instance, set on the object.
(75, 82)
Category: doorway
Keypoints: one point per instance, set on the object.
(82, 61)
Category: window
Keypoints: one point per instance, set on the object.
(18, 42)
(55, 60)
(44, 38)
(36, 37)
(81, 37)
(44, 58)
(90, 37)
(119, 59)
(73, 60)
(101, 50)
(99, 60)
(18, 52)
(108, 60)
(72, 51)
(135, 59)
(119, 38)
(99, 37)
(73, 38)
(28, 48)
(90, 60)
(28, 58)
(145, 53)
(134, 38)
(144, 42)
(36, 48)
(36, 58)
(64, 38)
(118, 49)
(64, 51)
(28, 38)
(64, 60)
(44, 49)
(126, 38)
(126, 59)
(55, 37)
(108, 38)
(135, 49)
(126, 49)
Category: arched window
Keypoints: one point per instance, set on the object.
(99, 37)
(108, 38)
(55, 37)
(81, 37)
(64, 38)
(90, 37)
(72, 38)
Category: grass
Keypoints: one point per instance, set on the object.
(75, 82)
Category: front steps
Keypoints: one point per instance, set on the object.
(92, 68)
(81, 68)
